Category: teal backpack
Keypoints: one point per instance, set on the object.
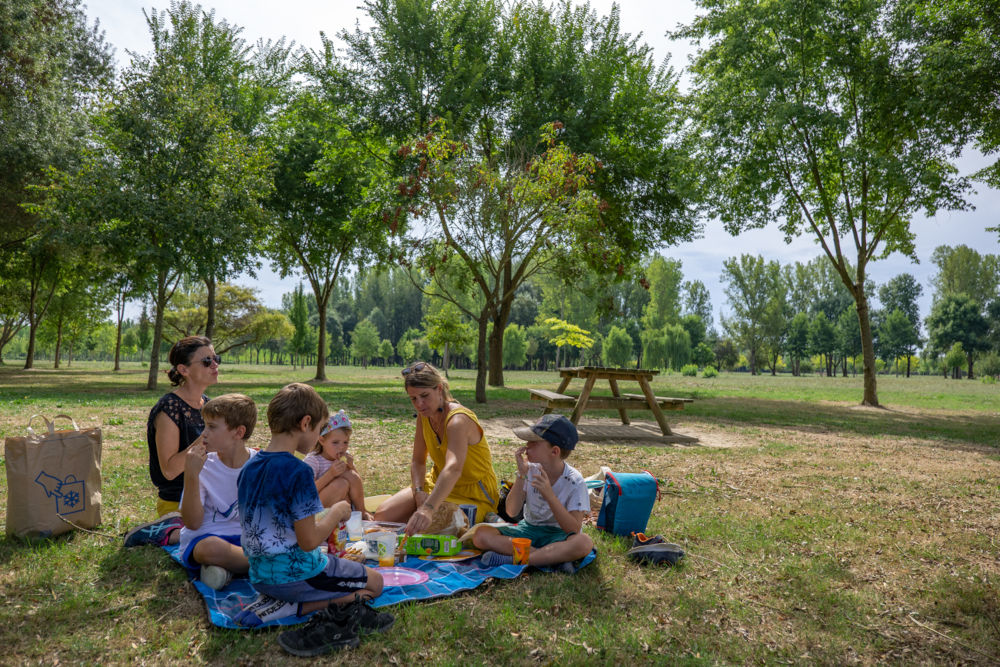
(628, 502)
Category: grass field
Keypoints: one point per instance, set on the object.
(817, 532)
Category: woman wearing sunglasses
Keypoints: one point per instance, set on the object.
(175, 424)
(450, 434)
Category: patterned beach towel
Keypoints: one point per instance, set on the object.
(443, 579)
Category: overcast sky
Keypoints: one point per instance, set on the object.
(302, 21)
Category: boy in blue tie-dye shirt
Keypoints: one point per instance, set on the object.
(283, 525)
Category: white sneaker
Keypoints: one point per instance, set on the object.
(215, 577)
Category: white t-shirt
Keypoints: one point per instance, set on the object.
(570, 489)
(217, 484)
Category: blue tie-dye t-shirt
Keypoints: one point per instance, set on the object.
(275, 490)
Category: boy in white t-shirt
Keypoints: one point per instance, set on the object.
(553, 495)
(210, 538)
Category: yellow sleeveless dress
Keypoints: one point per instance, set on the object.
(478, 484)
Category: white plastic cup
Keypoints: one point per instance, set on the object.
(355, 528)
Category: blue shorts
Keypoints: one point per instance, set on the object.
(539, 535)
(340, 577)
(191, 563)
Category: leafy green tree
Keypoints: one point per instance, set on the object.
(797, 340)
(617, 348)
(405, 350)
(823, 340)
(804, 118)
(698, 301)
(654, 349)
(954, 360)
(391, 291)
(447, 330)
(664, 277)
(751, 286)
(209, 58)
(727, 355)
(323, 171)
(902, 293)
(957, 318)
(236, 315)
(270, 330)
(496, 73)
(364, 342)
(143, 333)
(677, 345)
(562, 334)
(385, 351)
(298, 315)
(515, 346)
(517, 216)
(849, 338)
(703, 355)
(963, 270)
(52, 64)
(897, 337)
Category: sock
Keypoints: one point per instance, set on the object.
(492, 559)
(264, 609)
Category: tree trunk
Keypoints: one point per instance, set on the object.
(58, 342)
(481, 360)
(118, 337)
(447, 358)
(907, 365)
(969, 357)
(154, 352)
(496, 341)
(321, 344)
(210, 307)
(867, 347)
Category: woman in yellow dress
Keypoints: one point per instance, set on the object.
(450, 434)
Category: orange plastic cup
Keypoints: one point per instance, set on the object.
(522, 549)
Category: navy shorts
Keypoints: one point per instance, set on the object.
(340, 577)
(190, 562)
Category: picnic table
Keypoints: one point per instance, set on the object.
(622, 402)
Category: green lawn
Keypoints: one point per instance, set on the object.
(816, 531)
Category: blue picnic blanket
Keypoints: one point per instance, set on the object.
(444, 579)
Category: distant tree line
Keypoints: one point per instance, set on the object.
(513, 169)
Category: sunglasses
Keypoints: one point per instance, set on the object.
(415, 368)
(207, 361)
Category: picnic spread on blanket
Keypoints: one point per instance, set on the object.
(416, 578)
(622, 402)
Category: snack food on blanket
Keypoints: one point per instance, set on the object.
(448, 519)
(355, 553)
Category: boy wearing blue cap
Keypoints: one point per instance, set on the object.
(553, 495)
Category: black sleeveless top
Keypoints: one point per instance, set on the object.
(189, 423)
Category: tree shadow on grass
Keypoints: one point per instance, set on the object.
(952, 429)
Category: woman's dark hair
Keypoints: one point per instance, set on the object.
(181, 353)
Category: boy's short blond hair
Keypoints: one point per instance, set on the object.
(293, 402)
(235, 409)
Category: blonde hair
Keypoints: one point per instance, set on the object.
(235, 409)
(293, 402)
(423, 374)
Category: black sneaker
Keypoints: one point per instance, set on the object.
(335, 627)
(370, 620)
(663, 553)
(640, 540)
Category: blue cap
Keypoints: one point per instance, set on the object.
(552, 428)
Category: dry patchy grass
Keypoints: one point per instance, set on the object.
(813, 536)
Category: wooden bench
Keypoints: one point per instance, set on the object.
(552, 399)
(664, 402)
(628, 401)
